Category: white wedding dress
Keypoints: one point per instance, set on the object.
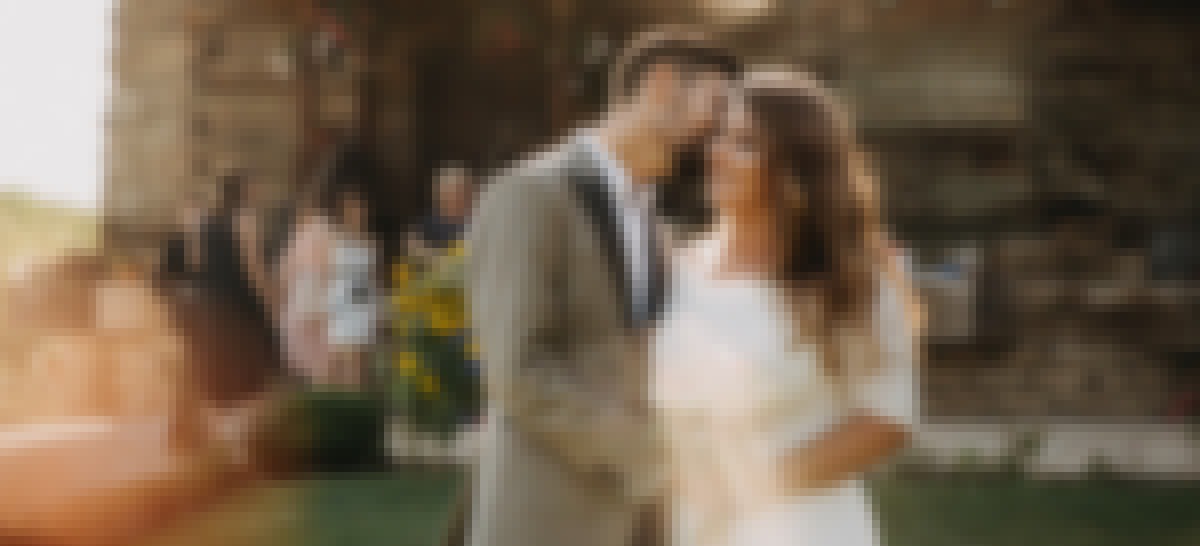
(734, 392)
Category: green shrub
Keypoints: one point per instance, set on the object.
(322, 431)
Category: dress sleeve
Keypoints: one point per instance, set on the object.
(890, 388)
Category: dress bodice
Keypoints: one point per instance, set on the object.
(737, 384)
(729, 349)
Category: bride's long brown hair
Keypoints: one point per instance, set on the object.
(824, 197)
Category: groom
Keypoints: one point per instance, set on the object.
(567, 277)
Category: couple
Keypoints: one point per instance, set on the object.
(743, 380)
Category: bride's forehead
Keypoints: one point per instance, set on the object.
(778, 77)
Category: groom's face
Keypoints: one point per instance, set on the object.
(685, 103)
(698, 95)
(684, 100)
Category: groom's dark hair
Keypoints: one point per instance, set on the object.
(689, 48)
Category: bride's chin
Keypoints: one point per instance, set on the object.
(735, 209)
(719, 198)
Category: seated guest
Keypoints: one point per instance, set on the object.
(444, 226)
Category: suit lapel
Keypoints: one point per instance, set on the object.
(587, 180)
(659, 274)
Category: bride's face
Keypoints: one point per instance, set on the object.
(737, 171)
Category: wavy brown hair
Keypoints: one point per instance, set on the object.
(825, 200)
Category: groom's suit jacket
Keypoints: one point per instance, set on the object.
(568, 453)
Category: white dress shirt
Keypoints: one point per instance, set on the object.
(635, 205)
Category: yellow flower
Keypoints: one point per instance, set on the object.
(407, 362)
(411, 304)
(428, 384)
(401, 273)
(442, 322)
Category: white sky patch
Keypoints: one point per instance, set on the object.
(53, 92)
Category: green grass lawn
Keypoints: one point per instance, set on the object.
(409, 508)
(1039, 513)
(396, 509)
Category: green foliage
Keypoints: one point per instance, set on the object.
(1030, 512)
(322, 431)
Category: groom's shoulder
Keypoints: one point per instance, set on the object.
(545, 165)
(542, 173)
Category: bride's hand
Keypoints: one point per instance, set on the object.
(715, 522)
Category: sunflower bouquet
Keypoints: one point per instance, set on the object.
(436, 378)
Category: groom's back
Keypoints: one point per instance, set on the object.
(549, 319)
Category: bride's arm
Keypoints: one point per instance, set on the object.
(884, 402)
(857, 444)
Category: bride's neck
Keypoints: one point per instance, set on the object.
(749, 242)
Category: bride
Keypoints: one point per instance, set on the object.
(784, 368)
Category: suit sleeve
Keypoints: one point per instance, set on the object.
(516, 244)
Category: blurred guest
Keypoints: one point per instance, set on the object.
(304, 274)
(233, 276)
(181, 260)
(232, 270)
(353, 297)
(443, 227)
